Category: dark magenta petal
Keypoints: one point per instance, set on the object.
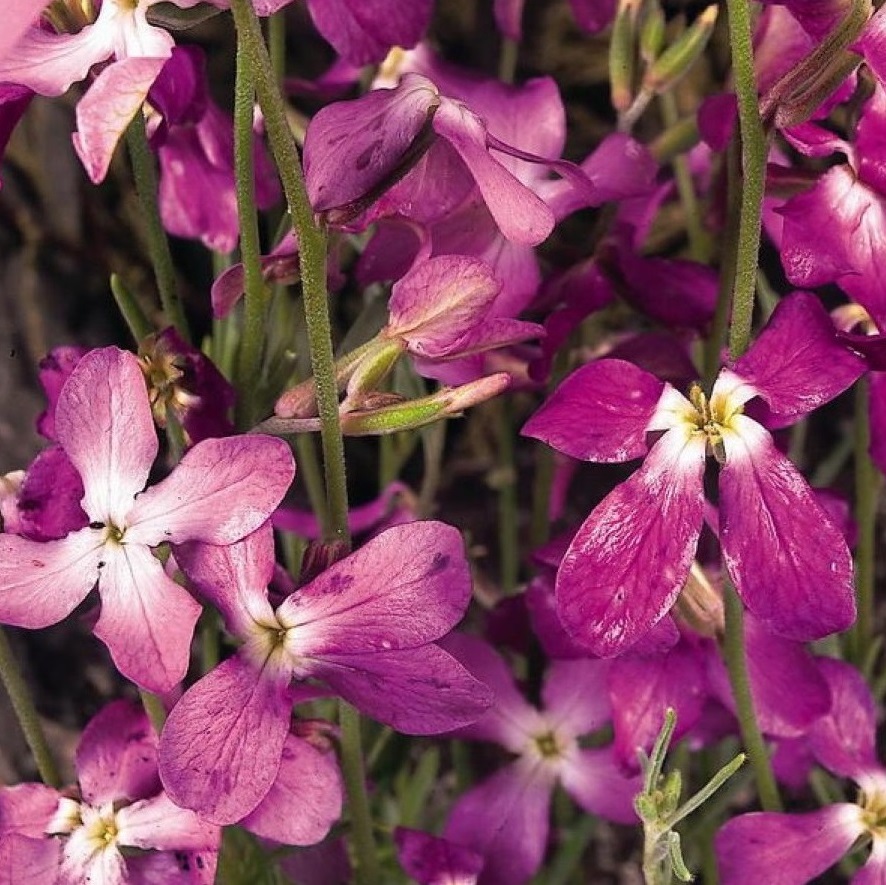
(574, 696)
(505, 818)
(117, 755)
(600, 786)
(792, 762)
(55, 368)
(788, 690)
(430, 860)
(48, 502)
(789, 562)
(799, 846)
(304, 801)
(593, 15)
(403, 588)
(600, 413)
(643, 687)
(415, 691)
(629, 560)
(798, 363)
(371, 138)
(221, 746)
(363, 31)
(844, 741)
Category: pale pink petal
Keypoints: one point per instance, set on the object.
(107, 109)
(17, 16)
(844, 741)
(797, 363)
(42, 582)
(221, 746)
(404, 588)
(233, 578)
(28, 861)
(788, 560)
(49, 63)
(505, 818)
(117, 755)
(599, 413)
(103, 422)
(511, 720)
(522, 216)
(304, 801)
(574, 696)
(181, 867)
(415, 691)
(221, 490)
(600, 786)
(147, 620)
(158, 823)
(629, 560)
(27, 809)
(785, 849)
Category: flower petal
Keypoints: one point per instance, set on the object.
(147, 620)
(600, 786)
(221, 490)
(574, 696)
(108, 107)
(158, 823)
(416, 690)
(505, 818)
(103, 422)
(599, 413)
(221, 747)
(27, 809)
(799, 846)
(42, 582)
(29, 861)
(304, 801)
(430, 860)
(117, 755)
(789, 562)
(404, 588)
(630, 558)
(797, 362)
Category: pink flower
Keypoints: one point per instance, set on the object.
(629, 560)
(365, 628)
(119, 827)
(222, 490)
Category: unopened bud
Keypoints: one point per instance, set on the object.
(652, 33)
(622, 53)
(700, 605)
(679, 57)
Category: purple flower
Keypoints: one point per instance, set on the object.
(222, 490)
(629, 560)
(366, 628)
(434, 861)
(803, 846)
(506, 817)
(119, 827)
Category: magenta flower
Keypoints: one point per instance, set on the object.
(629, 560)
(365, 628)
(119, 827)
(802, 846)
(430, 860)
(506, 817)
(222, 490)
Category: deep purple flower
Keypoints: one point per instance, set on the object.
(220, 491)
(430, 860)
(120, 827)
(366, 628)
(630, 559)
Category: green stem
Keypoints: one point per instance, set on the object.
(753, 166)
(311, 474)
(736, 663)
(353, 772)
(312, 261)
(507, 60)
(138, 324)
(154, 708)
(867, 487)
(210, 640)
(26, 713)
(543, 481)
(277, 44)
(256, 296)
(145, 174)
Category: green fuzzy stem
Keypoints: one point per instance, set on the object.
(154, 708)
(256, 295)
(145, 174)
(26, 713)
(353, 771)
(312, 261)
